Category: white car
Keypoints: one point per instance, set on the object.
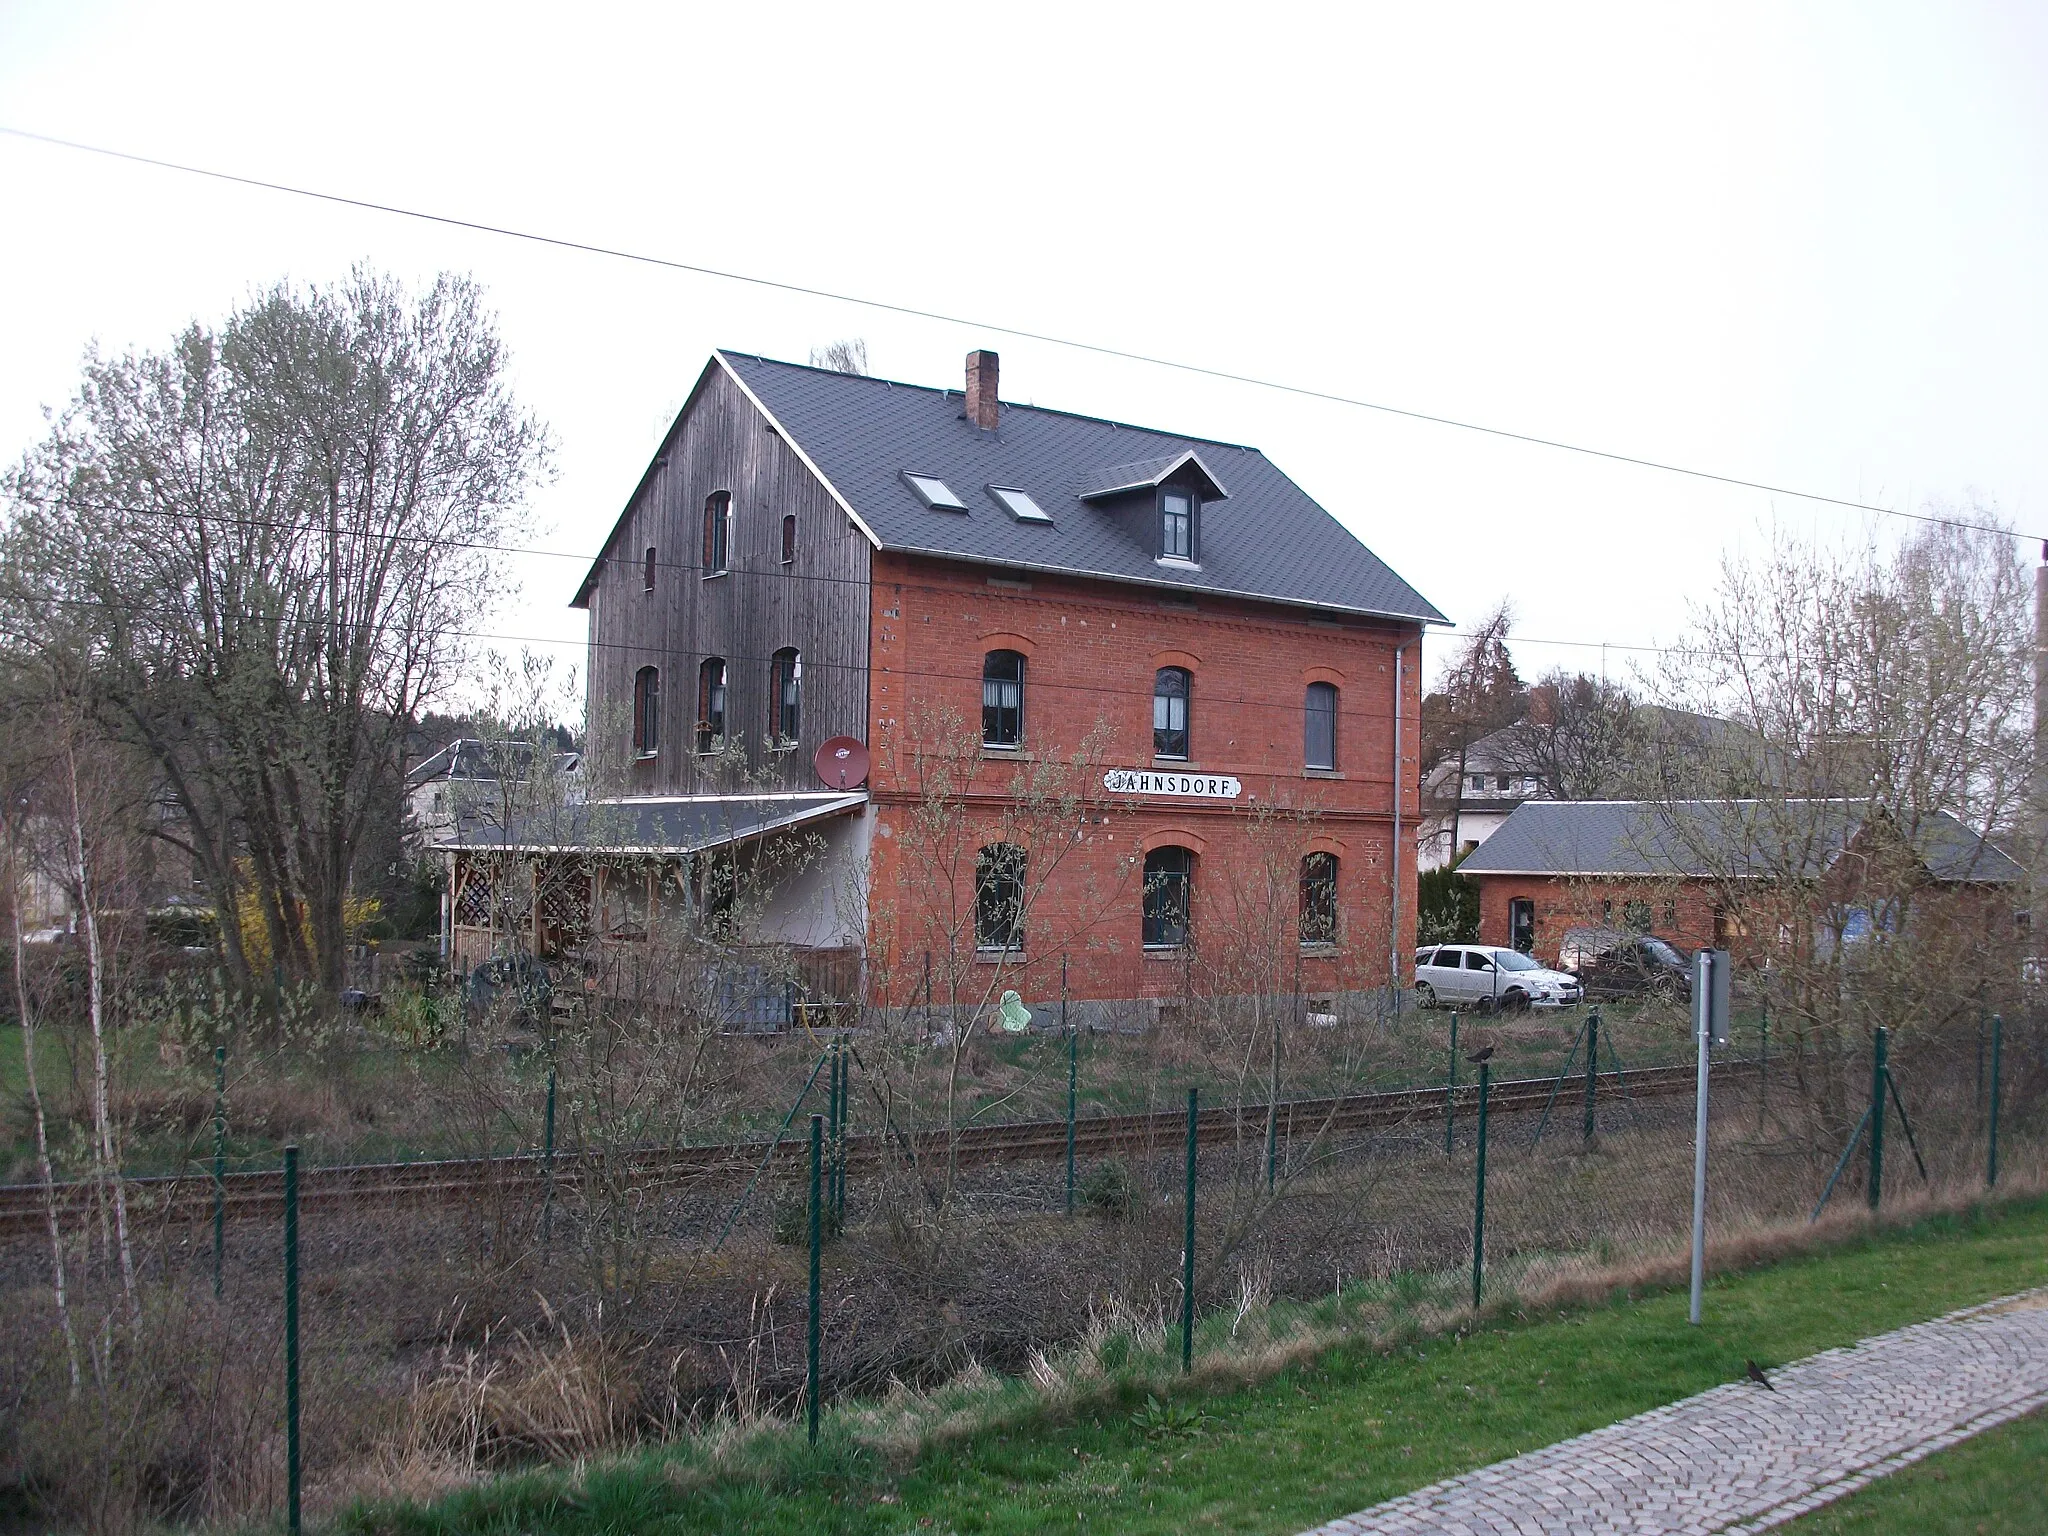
(1484, 977)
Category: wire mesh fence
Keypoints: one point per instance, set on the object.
(571, 1235)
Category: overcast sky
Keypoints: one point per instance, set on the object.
(1803, 245)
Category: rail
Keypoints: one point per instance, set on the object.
(448, 1180)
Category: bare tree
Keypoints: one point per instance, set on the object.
(277, 531)
(1480, 693)
(848, 356)
(1849, 822)
(15, 813)
(1584, 737)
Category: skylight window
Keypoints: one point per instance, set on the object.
(934, 492)
(1019, 504)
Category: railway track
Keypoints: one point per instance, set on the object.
(415, 1184)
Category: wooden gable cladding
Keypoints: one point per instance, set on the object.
(816, 603)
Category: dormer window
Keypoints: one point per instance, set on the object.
(1177, 510)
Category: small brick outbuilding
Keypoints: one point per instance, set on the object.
(1706, 872)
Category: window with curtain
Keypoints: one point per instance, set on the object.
(1002, 699)
(785, 696)
(646, 712)
(1169, 877)
(717, 531)
(711, 704)
(1319, 746)
(999, 898)
(1171, 688)
(1318, 918)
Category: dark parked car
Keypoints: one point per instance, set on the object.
(1618, 962)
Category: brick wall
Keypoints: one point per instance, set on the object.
(1091, 652)
(1681, 912)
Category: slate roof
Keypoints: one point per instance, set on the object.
(1753, 837)
(468, 758)
(663, 825)
(1267, 539)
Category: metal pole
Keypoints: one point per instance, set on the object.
(220, 1164)
(1451, 1092)
(1073, 1076)
(1592, 1069)
(1702, 1004)
(291, 1337)
(547, 1155)
(1997, 1054)
(1479, 1189)
(1879, 1046)
(817, 1210)
(832, 1131)
(1187, 1262)
(838, 1141)
(1557, 1084)
(1763, 1070)
(1834, 1178)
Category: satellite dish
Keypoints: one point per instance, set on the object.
(842, 763)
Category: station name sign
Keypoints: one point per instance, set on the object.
(1179, 786)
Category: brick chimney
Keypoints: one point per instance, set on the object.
(982, 368)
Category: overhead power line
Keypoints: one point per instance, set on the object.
(779, 575)
(1098, 349)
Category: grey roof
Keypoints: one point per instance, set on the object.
(1268, 539)
(468, 758)
(1753, 838)
(664, 825)
(1145, 474)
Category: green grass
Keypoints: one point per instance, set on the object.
(1357, 1426)
(1993, 1485)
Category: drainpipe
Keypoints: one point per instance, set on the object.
(1394, 855)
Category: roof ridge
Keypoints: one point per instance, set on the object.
(1008, 405)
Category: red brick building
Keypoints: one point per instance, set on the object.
(1703, 873)
(1133, 700)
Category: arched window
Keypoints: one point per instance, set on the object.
(785, 696)
(1319, 730)
(1318, 920)
(1171, 690)
(789, 538)
(1169, 877)
(647, 571)
(999, 898)
(646, 712)
(711, 705)
(1002, 699)
(717, 531)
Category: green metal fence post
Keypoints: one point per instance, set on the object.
(220, 1164)
(291, 1337)
(832, 1130)
(1592, 1069)
(1878, 1048)
(1073, 1075)
(1187, 1261)
(839, 1140)
(1479, 1189)
(1997, 1054)
(817, 1212)
(1451, 1092)
(547, 1161)
(1763, 1064)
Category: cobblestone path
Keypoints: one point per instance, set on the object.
(1740, 1459)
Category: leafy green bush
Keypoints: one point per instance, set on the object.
(1446, 907)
